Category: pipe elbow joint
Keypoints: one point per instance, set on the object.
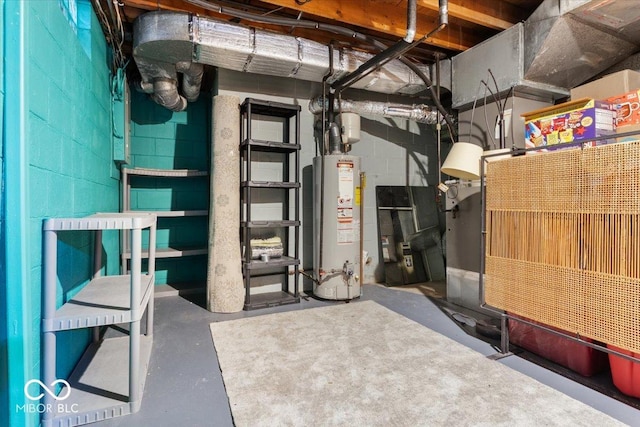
(165, 93)
(411, 34)
(411, 21)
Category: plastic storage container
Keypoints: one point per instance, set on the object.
(580, 358)
(625, 373)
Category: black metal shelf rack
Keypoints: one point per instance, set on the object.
(289, 151)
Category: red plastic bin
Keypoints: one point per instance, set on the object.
(625, 373)
(578, 357)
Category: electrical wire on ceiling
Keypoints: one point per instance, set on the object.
(120, 58)
(273, 11)
(115, 36)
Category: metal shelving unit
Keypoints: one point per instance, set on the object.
(128, 174)
(289, 151)
(100, 387)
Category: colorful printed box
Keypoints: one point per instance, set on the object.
(627, 107)
(571, 122)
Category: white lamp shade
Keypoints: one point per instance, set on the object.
(463, 161)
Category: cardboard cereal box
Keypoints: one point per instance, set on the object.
(571, 124)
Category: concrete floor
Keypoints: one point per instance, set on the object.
(184, 384)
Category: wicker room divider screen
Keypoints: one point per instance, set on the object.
(563, 240)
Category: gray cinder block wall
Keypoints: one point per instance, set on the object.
(393, 152)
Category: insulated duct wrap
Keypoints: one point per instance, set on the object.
(162, 39)
(225, 289)
(314, 60)
(273, 54)
(245, 49)
(227, 46)
(416, 112)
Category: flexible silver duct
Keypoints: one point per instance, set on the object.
(191, 79)
(417, 112)
(165, 93)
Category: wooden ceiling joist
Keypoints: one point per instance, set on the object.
(488, 13)
(470, 21)
(388, 17)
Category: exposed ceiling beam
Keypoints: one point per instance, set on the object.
(386, 18)
(471, 21)
(172, 5)
(488, 13)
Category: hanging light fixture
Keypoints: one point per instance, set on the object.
(463, 161)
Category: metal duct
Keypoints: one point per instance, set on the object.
(568, 42)
(416, 112)
(191, 79)
(165, 93)
(163, 39)
(561, 45)
(160, 42)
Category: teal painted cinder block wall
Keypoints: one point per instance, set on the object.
(67, 158)
(4, 385)
(162, 139)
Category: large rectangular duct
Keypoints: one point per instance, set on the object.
(503, 54)
(561, 45)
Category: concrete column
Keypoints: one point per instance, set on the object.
(225, 289)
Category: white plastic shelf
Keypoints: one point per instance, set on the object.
(102, 221)
(167, 173)
(130, 177)
(172, 252)
(104, 301)
(109, 379)
(99, 385)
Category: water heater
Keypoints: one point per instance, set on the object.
(336, 222)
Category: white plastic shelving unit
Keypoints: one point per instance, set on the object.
(168, 252)
(101, 386)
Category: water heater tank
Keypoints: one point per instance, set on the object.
(336, 222)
